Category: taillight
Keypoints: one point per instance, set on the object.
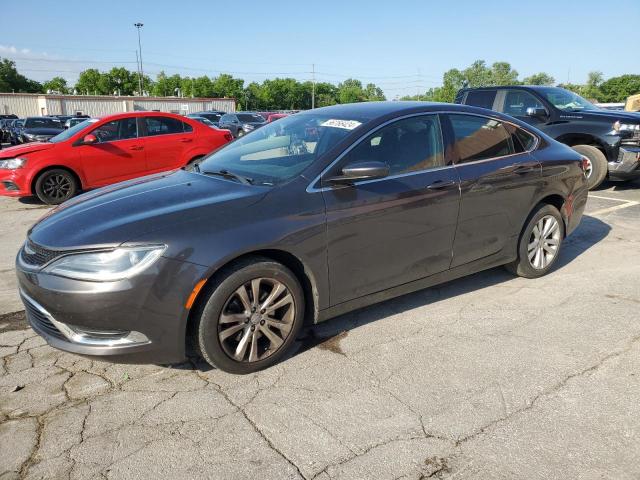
(228, 137)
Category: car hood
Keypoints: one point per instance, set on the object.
(613, 115)
(119, 213)
(42, 131)
(23, 149)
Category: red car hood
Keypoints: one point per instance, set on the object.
(25, 148)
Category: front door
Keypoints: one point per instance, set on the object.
(390, 231)
(118, 155)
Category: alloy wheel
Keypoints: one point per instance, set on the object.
(544, 242)
(57, 187)
(588, 168)
(256, 320)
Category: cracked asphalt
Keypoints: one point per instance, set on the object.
(490, 377)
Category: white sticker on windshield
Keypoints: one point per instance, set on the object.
(346, 124)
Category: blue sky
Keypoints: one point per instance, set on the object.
(403, 46)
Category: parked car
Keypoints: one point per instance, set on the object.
(15, 127)
(212, 115)
(102, 151)
(39, 129)
(241, 123)
(207, 122)
(609, 139)
(61, 118)
(278, 229)
(72, 122)
(5, 132)
(276, 116)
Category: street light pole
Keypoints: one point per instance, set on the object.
(139, 26)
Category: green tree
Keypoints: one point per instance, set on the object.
(226, 85)
(373, 93)
(617, 89)
(56, 84)
(502, 74)
(165, 86)
(541, 78)
(90, 82)
(12, 81)
(350, 91)
(592, 88)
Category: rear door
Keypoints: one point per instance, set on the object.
(386, 232)
(118, 155)
(166, 141)
(498, 182)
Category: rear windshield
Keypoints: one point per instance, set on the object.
(250, 117)
(42, 123)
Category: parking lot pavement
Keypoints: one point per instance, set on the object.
(489, 376)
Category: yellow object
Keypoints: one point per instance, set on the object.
(194, 293)
(633, 103)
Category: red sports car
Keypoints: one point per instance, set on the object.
(106, 150)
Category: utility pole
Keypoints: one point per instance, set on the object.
(139, 26)
(313, 86)
(139, 77)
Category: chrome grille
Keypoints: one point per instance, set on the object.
(39, 320)
(36, 256)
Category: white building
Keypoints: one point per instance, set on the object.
(34, 104)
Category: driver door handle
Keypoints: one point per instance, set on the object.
(136, 147)
(186, 140)
(440, 184)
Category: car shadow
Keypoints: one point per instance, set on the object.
(327, 335)
(619, 186)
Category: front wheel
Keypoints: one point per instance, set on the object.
(251, 317)
(596, 168)
(539, 244)
(55, 186)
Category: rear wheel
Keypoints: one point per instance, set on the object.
(251, 317)
(596, 170)
(55, 186)
(539, 244)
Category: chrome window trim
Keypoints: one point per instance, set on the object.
(311, 189)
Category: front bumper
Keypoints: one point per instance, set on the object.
(627, 165)
(14, 183)
(147, 310)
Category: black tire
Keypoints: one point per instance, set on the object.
(523, 266)
(221, 294)
(56, 186)
(598, 164)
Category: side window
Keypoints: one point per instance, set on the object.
(186, 128)
(479, 138)
(162, 125)
(407, 145)
(123, 129)
(525, 139)
(516, 102)
(481, 98)
(225, 119)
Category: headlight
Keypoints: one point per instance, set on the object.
(621, 127)
(12, 163)
(248, 128)
(117, 264)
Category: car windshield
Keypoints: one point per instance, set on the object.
(42, 123)
(70, 132)
(567, 101)
(280, 151)
(250, 117)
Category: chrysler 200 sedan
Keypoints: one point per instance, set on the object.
(308, 217)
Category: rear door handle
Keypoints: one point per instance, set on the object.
(440, 184)
(185, 140)
(518, 169)
(136, 147)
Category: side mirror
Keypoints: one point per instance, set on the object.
(361, 171)
(89, 139)
(536, 112)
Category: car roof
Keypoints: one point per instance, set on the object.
(371, 110)
(521, 87)
(116, 116)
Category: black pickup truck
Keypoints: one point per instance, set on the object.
(609, 140)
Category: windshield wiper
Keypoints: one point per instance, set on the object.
(229, 175)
